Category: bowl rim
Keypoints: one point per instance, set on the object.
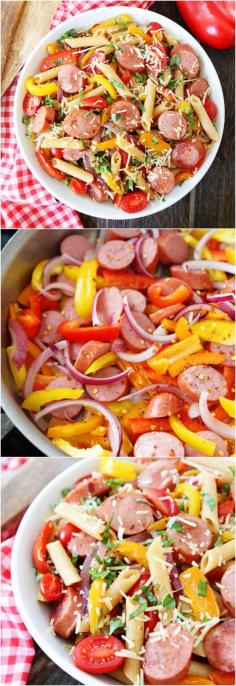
(104, 210)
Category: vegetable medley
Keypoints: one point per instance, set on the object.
(120, 111)
(109, 355)
(137, 562)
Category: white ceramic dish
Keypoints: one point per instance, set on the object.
(34, 614)
(62, 192)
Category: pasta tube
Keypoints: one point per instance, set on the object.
(135, 637)
(63, 564)
(159, 573)
(87, 41)
(150, 94)
(131, 149)
(209, 513)
(215, 557)
(203, 117)
(66, 142)
(47, 75)
(71, 170)
(76, 515)
(124, 581)
(115, 80)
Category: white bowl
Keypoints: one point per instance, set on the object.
(61, 191)
(35, 615)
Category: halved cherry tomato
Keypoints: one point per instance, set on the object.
(58, 58)
(135, 201)
(225, 678)
(94, 61)
(152, 614)
(211, 108)
(162, 501)
(94, 103)
(226, 508)
(125, 75)
(72, 331)
(30, 322)
(154, 26)
(125, 280)
(97, 654)
(66, 532)
(31, 104)
(78, 186)
(39, 552)
(48, 166)
(57, 152)
(51, 587)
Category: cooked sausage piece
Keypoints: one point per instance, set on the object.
(82, 124)
(202, 377)
(172, 248)
(125, 115)
(81, 544)
(227, 589)
(167, 660)
(227, 350)
(70, 78)
(116, 255)
(108, 392)
(89, 352)
(150, 253)
(189, 62)
(48, 333)
(109, 305)
(88, 487)
(161, 179)
(157, 444)
(98, 191)
(163, 405)
(168, 312)
(136, 300)
(131, 338)
(172, 125)
(219, 646)
(127, 512)
(129, 57)
(192, 539)
(71, 411)
(75, 246)
(63, 615)
(188, 154)
(198, 280)
(162, 473)
(199, 87)
(220, 449)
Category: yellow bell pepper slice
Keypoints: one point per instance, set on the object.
(204, 357)
(230, 255)
(118, 469)
(190, 240)
(159, 525)
(176, 351)
(72, 272)
(109, 179)
(120, 19)
(213, 333)
(228, 406)
(85, 289)
(225, 236)
(136, 31)
(197, 588)
(194, 498)
(152, 141)
(19, 373)
(126, 445)
(36, 399)
(66, 447)
(227, 536)
(98, 78)
(185, 107)
(133, 551)
(104, 145)
(202, 445)
(101, 362)
(121, 408)
(95, 602)
(40, 89)
(37, 275)
(74, 429)
(215, 274)
(182, 329)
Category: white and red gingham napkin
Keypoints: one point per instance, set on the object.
(25, 203)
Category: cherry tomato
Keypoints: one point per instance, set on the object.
(30, 322)
(48, 166)
(66, 532)
(135, 201)
(51, 587)
(57, 152)
(97, 654)
(162, 501)
(125, 75)
(211, 108)
(124, 157)
(154, 26)
(78, 186)
(94, 61)
(62, 57)
(94, 103)
(39, 552)
(226, 508)
(31, 104)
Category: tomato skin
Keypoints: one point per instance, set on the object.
(31, 104)
(57, 152)
(54, 60)
(39, 552)
(226, 508)
(96, 654)
(135, 201)
(157, 496)
(51, 587)
(94, 103)
(125, 75)
(92, 68)
(30, 322)
(211, 108)
(124, 157)
(65, 533)
(78, 186)
(154, 26)
(48, 166)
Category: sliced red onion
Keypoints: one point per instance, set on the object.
(220, 297)
(228, 309)
(174, 576)
(19, 342)
(59, 95)
(218, 285)
(153, 338)
(49, 267)
(213, 424)
(201, 244)
(56, 285)
(138, 262)
(115, 316)
(157, 387)
(193, 411)
(193, 308)
(39, 343)
(114, 428)
(197, 298)
(118, 346)
(88, 379)
(34, 369)
(69, 259)
(193, 265)
(85, 581)
(139, 357)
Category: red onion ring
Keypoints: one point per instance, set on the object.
(202, 242)
(191, 308)
(192, 265)
(19, 342)
(91, 380)
(34, 368)
(138, 263)
(228, 309)
(213, 424)
(139, 357)
(60, 259)
(118, 346)
(153, 338)
(55, 285)
(220, 297)
(157, 386)
(114, 430)
(193, 411)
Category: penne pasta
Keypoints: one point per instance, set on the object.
(150, 94)
(215, 557)
(159, 573)
(47, 75)
(72, 170)
(179, 90)
(63, 563)
(205, 120)
(115, 80)
(87, 42)
(124, 581)
(135, 638)
(138, 179)
(66, 142)
(91, 525)
(209, 512)
(115, 163)
(128, 147)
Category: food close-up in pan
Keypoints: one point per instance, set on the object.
(121, 342)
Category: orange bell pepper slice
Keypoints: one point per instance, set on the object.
(181, 294)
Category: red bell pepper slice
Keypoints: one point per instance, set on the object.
(162, 501)
(142, 425)
(39, 552)
(226, 508)
(212, 22)
(30, 322)
(151, 614)
(58, 58)
(72, 331)
(123, 279)
(48, 166)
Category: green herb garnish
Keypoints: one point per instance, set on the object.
(211, 502)
(149, 595)
(202, 587)
(168, 602)
(113, 483)
(67, 34)
(142, 606)
(175, 60)
(65, 491)
(25, 119)
(106, 533)
(115, 623)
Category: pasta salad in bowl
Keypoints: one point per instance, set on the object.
(133, 571)
(119, 110)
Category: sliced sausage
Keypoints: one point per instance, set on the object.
(97, 191)
(122, 233)
(227, 589)
(70, 78)
(89, 352)
(43, 118)
(220, 449)
(88, 487)
(132, 339)
(82, 124)
(48, 333)
(136, 300)
(127, 512)
(192, 541)
(71, 411)
(188, 154)
(71, 155)
(189, 62)
(129, 57)
(125, 115)
(157, 444)
(116, 255)
(199, 87)
(227, 350)
(161, 179)
(64, 612)
(81, 544)
(150, 253)
(172, 125)
(198, 280)
(167, 660)
(109, 305)
(162, 473)
(163, 405)
(156, 59)
(172, 248)
(166, 312)
(219, 646)
(202, 377)
(108, 392)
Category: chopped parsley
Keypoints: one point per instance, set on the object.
(172, 84)
(211, 502)
(114, 483)
(55, 128)
(217, 542)
(149, 595)
(25, 119)
(48, 101)
(91, 502)
(106, 533)
(140, 77)
(168, 602)
(202, 587)
(142, 606)
(175, 60)
(115, 623)
(232, 470)
(74, 558)
(67, 34)
(106, 574)
(174, 524)
(65, 491)
(225, 489)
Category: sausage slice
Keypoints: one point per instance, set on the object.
(202, 377)
(220, 449)
(90, 486)
(163, 405)
(192, 541)
(188, 154)
(110, 392)
(70, 78)
(129, 57)
(82, 124)
(136, 300)
(63, 615)
(125, 115)
(161, 179)
(172, 248)
(127, 512)
(198, 280)
(189, 62)
(167, 659)
(162, 473)
(198, 87)
(172, 125)
(219, 646)
(157, 444)
(131, 338)
(228, 589)
(116, 255)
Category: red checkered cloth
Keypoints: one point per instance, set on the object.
(9, 464)
(25, 203)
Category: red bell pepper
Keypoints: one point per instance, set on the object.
(162, 501)
(72, 331)
(222, 677)
(95, 102)
(48, 166)
(58, 58)
(30, 322)
(39, 552)
(142, 425)
(123, 279)
(226, 508)
(212, 22)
